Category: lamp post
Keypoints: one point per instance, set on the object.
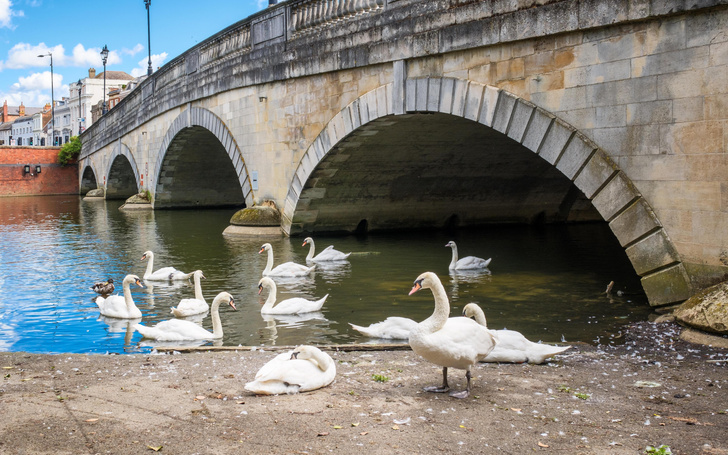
(149, 38)
(80, 110)
(104, 56)
(53, 103)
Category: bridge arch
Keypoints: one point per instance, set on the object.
(87, 178)
(122, 175)
(591, 175)
(200, 164)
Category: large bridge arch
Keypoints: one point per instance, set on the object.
(87, 178)
(122, 175)
(505, 118)
(200, 164)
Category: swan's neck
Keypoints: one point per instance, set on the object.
(198, 288)
(311, 251)
(442, 310)
(323, 361)
(269, 264)
(216, 322)
(150, 265)
(130, 306)
(271, 300)
(480, 317)
(454, 257)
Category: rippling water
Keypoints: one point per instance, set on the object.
(546, 282)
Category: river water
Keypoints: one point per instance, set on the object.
(546, 282)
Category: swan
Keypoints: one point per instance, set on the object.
(466, 263)
(116, 306)
(163, 274)
(449, 342)
(294, 305)
(285, 269)
(104, 287)
(304, 369)
(327, 255)
(179, 329)
(198, 305)
(513, 346)
(394, 327)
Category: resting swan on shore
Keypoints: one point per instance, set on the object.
(304, 369)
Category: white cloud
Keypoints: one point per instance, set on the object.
(138, 48)
(157, 61)
(24, 55)
(38, 81)
(7, 13)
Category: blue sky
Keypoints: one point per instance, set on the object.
(75, 32)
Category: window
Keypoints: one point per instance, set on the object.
(20, 141)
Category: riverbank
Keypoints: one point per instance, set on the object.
(654, 389)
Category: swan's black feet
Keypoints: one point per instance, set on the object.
(461, 394)
(436, 389)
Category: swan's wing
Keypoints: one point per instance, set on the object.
(472, 262)
(294, 371)
(162, 274)
(188, 307)
(394, 327)
(290, 269)
(272, 365)
(297, 305)
(174, 330)
(113, 306)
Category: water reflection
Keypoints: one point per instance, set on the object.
(546, 282)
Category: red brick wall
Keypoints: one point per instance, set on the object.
(53, 178)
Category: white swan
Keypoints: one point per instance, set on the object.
(285, 269)
(163, 274)
(449, 342)
(180, 329)
(190, 307)
(304, 369)
(293, 305)
(513, 346)
(394, 328)
(327, 255)
(116, 306)
(466, 263)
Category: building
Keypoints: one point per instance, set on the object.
(88, 92)
(6, 133)
(12, 113)
(22, 131)
(63, 125)
(41, 120)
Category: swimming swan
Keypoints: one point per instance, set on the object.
(163, 274)
(513, 346)
(394, 328)
(116, 306)
(180, 329)
(466, 263)
(304, 369)
(327, 255)
(456, 342)
(294, 305)
(190, 307)
(285, 269)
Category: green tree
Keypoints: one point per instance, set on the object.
(70, 150)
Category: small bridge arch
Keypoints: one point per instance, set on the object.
(591, 176)
(200, 164)
(122, 175)
(87, 178)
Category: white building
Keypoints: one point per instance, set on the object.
(22, 131)
(63, 127)
(89, 91)
(6, 130)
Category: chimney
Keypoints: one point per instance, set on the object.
(5, 111)
(21, 110)
(92, 73)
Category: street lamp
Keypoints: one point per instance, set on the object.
(149, 39)
(104, 56)
(53, 103)
(80, 111)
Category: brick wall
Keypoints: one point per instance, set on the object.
(53, 178)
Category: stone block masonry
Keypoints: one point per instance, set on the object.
(52, 179)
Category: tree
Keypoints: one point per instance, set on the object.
(70, 150)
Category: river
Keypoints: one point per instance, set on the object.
(547, 282)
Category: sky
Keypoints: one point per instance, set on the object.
(76, 31)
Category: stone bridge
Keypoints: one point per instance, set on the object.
(356, 115)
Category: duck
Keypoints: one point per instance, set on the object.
(163, 274)
(466, 263)
(116, 306)
(293, 305)
(393, 328)
(191, 307)
(182, 330)
(450, 342)
(512, 346)
(303, 369)
(104, 287)
(287, 269)
(327, 255)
